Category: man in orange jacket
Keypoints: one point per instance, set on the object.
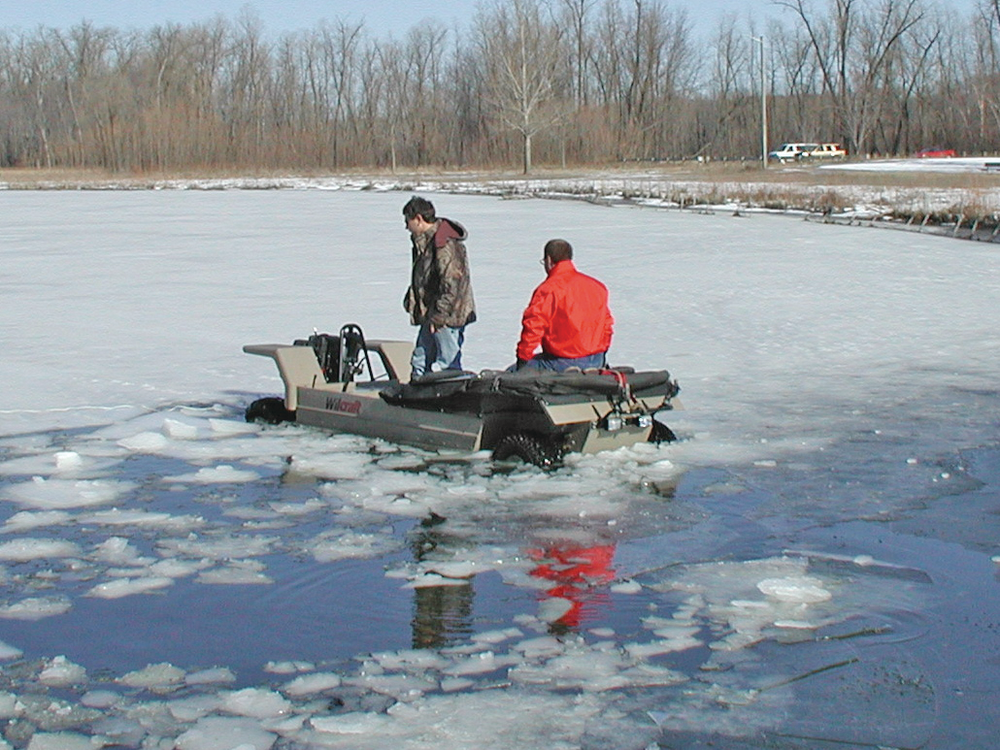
(568, 317)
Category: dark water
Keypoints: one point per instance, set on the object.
(909, 657)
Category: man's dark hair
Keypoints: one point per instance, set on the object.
(557, 250)
(418, 206)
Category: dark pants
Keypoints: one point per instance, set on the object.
(558, 364)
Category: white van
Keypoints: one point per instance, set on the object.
(787, 152)
(829, 151)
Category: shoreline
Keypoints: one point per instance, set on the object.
(962, 201)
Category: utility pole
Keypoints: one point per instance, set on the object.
(763, 105)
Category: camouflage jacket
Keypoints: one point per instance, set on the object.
(440, 291)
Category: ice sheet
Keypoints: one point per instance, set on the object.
(825, 370)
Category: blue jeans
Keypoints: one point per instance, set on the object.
(558, 364)
(433, 352)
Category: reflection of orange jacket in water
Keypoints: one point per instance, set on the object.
(575, 571)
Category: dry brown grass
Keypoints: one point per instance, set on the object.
(718, 172)
(937, 197)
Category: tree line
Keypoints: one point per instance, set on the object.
(554, 82)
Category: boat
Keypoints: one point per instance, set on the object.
(346, 383)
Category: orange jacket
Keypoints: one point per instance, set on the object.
(568, 316)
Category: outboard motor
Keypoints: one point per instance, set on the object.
(327, 348)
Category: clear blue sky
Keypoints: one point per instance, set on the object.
(382, 17)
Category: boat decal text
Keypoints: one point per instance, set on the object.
(343, 405)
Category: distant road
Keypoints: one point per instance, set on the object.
(958, 164)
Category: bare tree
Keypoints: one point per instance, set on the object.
(730, 90)
(644, 64)
(340, 45)
(854, 45)
(576, 14)
(521, 52)
(623, 80)
(32, 73)
(985, 77)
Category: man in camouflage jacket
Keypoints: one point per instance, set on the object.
(439, 298)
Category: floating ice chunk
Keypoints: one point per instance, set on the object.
(174, 428)
(580, 668)
(539, 647)
(102, 699)
(255, 703)
(10, 706)
(63, 463)
(432, 580)
(145, 442)
(663, 646)
(225, 733)
(402, 687)
(312, 683)
(332, 466)
(60, 741)
(8, 652)
(129, 586)
(210, 676)
(627, 586)
(794, 625)
(119, 551)
(479, 663)
(553, 608)
(23, 550)
(351, 545)
(218, 548)
(60, 494)
(284, 725)
(222, 474)
(650, 675)
(26, 520)
(465, 490)
(142, 518)
(410, 659)
(462, 569)
(454, 684)
(195, 707)
(240, 572)
(154, 676)
(68, 461)
(496, 636)
(288, 667)
(232, 427)
(797, 589)
(298, 509)
(750, 604)
(60, 672)
(177, 568)
(356, 723)
(36, 608)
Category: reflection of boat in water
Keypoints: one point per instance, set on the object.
(347, 384)
(442, 614)
(577, 575)
(575, 590)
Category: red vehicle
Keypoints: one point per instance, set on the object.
(935, 153)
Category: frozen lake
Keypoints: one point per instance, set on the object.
(813, 565)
